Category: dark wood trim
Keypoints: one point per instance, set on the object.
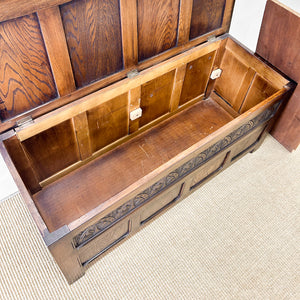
(184, 25)
(57, 49)
(10, 9)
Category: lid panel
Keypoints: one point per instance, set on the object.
(93, 34)
(157, 26)
(206, 16)
(26, 80)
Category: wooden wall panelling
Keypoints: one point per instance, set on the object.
(231, 80)
(196, 77)
(11, 9)
(108, 122)
(53, 150)
(206, 16)
(259, 90)
(177, 87)
(185, 16)
(134, 103)
(157, 26)
(23, 164)
(128, 10)
(57, 49)
(93, 33)
(26, 78)
(155, 97)
(80, 123)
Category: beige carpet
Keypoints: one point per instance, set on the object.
(235, 238)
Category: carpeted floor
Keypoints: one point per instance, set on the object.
(235, 238)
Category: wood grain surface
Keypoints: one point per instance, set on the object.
(10, 9)
(157, 26)
(196, 77)
(93, 33)
(279, 39)
(279, 44)
(53, 149)
(62, 201)
(155, 97)
(206, 16)
(26, 80)
(108, 122)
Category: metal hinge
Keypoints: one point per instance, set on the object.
(133, 73)
(212, 38)
(24, 122)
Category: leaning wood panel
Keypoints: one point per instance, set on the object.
(57, 50)
(108, 122)
(157, 26)
(26, 80)
(11, 9)
(53, 149)
(93, 34)
(206, 16)
(279, 39)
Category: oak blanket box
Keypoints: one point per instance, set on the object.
(113, 111)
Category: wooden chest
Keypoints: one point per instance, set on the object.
(113, 111)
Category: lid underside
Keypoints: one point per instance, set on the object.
(58, 48)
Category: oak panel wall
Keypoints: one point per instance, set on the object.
(157, 26)
(26, 80)
(93, 33)
(206, 16)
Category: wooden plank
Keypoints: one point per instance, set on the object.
(184, 26)
(57, 49)
(279, 39)
(121, 87)
(108, 122)
(196, 77)
(157, 26)
(155, 97)
(81, 128)
(23, 164)
(10, 9)
(259, 90)
(128, 10)
(93, 33)
(177, 87)
(53, 149)
(287, 129)
(134, 103)
(206, 17)
(249, 59)
(23, 190)
(25, 73)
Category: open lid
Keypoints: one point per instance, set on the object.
(279, 38)
(53, 52)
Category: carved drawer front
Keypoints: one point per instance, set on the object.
(211, 168)
(103, 242)
(161, 203)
